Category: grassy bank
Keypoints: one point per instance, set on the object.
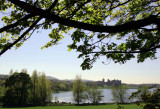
(108, 106)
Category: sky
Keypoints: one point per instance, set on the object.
(58, 62)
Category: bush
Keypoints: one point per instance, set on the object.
(151, 100)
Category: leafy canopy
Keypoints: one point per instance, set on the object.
(117, 29)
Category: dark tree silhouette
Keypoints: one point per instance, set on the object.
(17, 86)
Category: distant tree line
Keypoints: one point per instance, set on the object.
(67, 85)
(61, 85)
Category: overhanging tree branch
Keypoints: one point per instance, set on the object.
(16, 23)
(21, 37)
(53, 5)
(120, 4)
(76, 10)
(133, 25)
(23, 19)
(129, 52)
(27, 31)
(130, 21)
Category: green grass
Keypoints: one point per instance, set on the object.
(107, 106)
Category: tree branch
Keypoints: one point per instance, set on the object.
(16, 23)
(73, 2)
(21, 37)
(129, 52)
(53, 5)
(120, 4)
(133, 25)
(76, 10)
(27, 31)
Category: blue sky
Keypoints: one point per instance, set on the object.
(58, 62)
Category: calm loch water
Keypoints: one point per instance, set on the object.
(107, 93)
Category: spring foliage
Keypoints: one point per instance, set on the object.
(116, 29)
